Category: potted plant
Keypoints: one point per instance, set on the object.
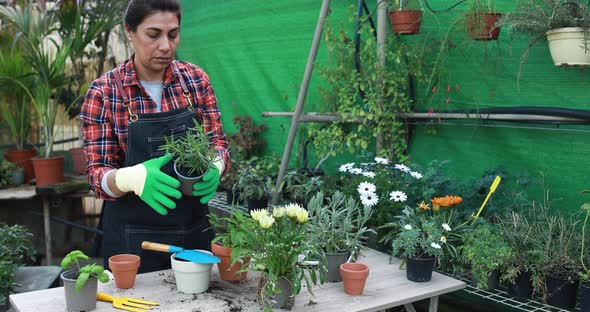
(283, 264)
(16, 249)
(485, 252)
(248, 141)
(48, 61)
(339, 226)
(193, 155)
(81, 282)
(11, 174)
(584, 262)
(291, 179)
(229, 234)
(481, 20)
(191, 277)
(255, 182)
(565, 24)
(405, 16)
(302, 193)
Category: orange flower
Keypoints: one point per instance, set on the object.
(446, 201)
(424, 206)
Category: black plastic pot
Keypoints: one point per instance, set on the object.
(257, 203)
(561, 293)
(522, 286)
(186, 183)
(232, 198)
(419, 269)
(585, 297)
(285, 299)
(492, 281)
(334, 260)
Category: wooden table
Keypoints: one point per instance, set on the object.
(47, 193)
(386, 287)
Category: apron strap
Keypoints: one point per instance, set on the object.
(184, 89)
(126, 102)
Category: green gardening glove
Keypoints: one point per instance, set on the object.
(208, 185)
(153, 186)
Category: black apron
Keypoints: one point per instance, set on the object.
(128, 221)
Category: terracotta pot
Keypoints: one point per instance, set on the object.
(482, 26)
(124, 268)
(405, 22)
(23, 159)
(227, 272)
(354, 276)
(78, 160)
(49, 170)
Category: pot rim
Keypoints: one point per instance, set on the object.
(565, 30)
(188, 266)
(357, 267)
(129, 259)
(185, 177)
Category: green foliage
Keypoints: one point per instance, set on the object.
(484, 250)
(585, 250)
(404, 5)
(6, 168)
(193, 151)
(339, 225)
(16, 248)
(255, 177)
(248, 142)
(278, 245)
(310, 186)
(228, 230)
(370, 101)
(418, 237)
(84, 273)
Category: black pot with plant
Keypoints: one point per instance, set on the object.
(81, 282)
(255, 182)
(193, 156)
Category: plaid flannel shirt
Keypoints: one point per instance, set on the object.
(104, 119)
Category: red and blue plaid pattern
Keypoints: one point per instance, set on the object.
(104, 119)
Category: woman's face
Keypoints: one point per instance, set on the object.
(155, 41)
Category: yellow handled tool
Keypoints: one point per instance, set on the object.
(492, 189)
(128, 304)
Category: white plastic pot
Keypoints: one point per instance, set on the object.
(567, 47)
(191, 278)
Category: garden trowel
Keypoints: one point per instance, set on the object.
(181, 253)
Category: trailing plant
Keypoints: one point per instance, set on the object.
(84, 273)
(16, 248)
(484, 251)
(340, 224)
(192, 150)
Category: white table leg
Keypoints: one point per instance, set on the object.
(47, 228)
(409, 307)
(433, 306)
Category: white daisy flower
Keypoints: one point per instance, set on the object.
(408, 227)
(381, 160)
(402, 167)
(370, 199)
(369, 174)
(443, 239)
(435, 245)
(398, 196)
(346, 167)
(416, 175)
(366, 188)
(446, 227)
(356, 171)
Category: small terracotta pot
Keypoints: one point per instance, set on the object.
(227, 272)
(124, 268)
(49, 170)
(354, 276)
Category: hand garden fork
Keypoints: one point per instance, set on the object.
(128, 304)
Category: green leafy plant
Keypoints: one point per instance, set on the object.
(584, 250)
(192, 151)
(255, 178)
(278, 243)
(484, 250)
(228, 231)
(418, 237)
(303, 192)
(291, 179)
(6, 169)
(340, 224)
(16, 248)
(84, 273)
(248, 142)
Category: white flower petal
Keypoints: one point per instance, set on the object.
(416, 175)
(398, 196)
(369, 174)
(408, 227)
(402, 167)
(369, 200)
(446, 227)
(381, 160)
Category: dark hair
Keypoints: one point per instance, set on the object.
(138, 10)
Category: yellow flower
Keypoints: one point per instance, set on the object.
(424, 206)
(292, 209)
(443, 239)
(279, 212)
(266, 221)
(301, 215)
(258, 213)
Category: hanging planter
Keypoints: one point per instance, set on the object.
(405, 22)
(483, 25)
(567, 47)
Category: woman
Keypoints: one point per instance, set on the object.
(125, 116)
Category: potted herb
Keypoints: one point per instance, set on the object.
(81, 282)
(16, 248)
(193, 155)
(229, 234)
(565, 24)
(405, 16)
(339, 226)
(482, 19)
(282, 264)
(485, 252)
